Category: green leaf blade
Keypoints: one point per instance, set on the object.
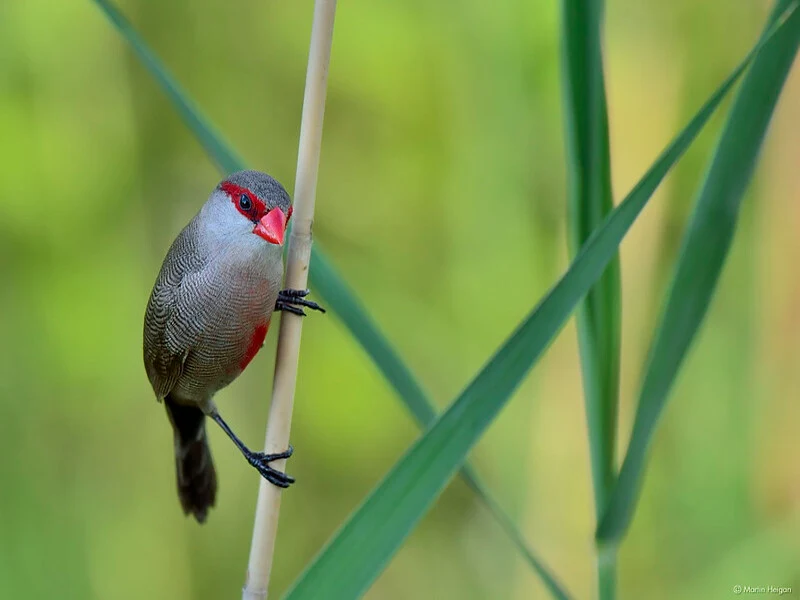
(599, 316)
(340, 300)
(704, 250)
(224, 157)
(589, 201)
(357, 554)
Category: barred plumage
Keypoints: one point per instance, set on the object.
(214, 295)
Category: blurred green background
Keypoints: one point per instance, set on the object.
(441, 200)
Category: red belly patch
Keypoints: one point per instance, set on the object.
(255, 344)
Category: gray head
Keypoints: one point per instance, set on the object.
(247, 203)
(267, 189)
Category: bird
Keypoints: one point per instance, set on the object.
(207, 317)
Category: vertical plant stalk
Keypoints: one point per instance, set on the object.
(265, 527)
(590, 200)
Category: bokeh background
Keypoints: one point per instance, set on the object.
(441, 200)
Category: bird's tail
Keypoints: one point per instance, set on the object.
(197, 478)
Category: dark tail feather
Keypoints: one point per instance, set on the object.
(197, 479)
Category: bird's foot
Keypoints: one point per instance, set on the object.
(260, 461)
(293, 301)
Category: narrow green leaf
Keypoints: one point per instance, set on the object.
(589, 200)
(336, 293)
(341, 301)
(357, 554)
(705, 247)
(212, 141)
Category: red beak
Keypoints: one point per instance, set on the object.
(272, 226)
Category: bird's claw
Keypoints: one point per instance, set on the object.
(293, 300)
(260, 461)
(279, 305)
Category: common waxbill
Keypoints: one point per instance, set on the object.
(207, 317)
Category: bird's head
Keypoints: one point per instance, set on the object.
(250, 203)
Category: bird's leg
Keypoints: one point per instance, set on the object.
(293, 300)
(259, 460)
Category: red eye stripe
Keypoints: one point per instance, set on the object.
(257, 209)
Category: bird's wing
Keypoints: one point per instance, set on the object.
(168, 337)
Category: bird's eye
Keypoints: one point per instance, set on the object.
(245, 203)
